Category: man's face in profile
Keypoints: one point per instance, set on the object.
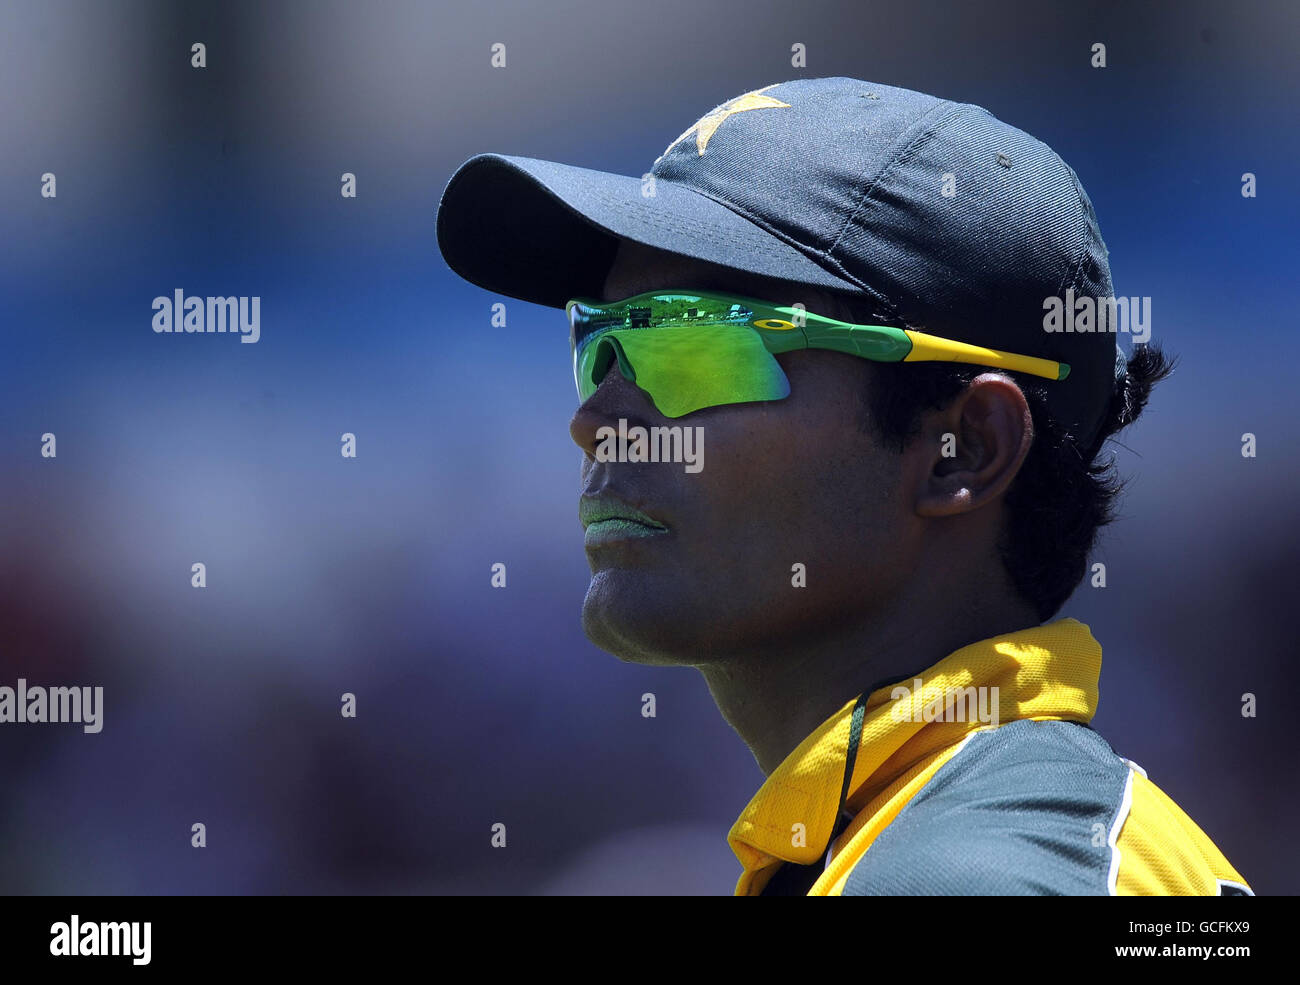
(788, 482)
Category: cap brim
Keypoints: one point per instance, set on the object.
(546, 232)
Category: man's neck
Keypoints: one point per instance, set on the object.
(777, 698)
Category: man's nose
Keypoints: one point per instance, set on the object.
(615, 397)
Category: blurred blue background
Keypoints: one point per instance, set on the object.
(478, 705)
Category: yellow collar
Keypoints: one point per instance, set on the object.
(1047, 672)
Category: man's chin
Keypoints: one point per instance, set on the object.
(625, 613)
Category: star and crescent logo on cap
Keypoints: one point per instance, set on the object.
(705, 127)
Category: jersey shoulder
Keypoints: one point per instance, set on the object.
(1038, 808)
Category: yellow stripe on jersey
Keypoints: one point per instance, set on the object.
(1162, 852)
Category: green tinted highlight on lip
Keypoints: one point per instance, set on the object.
(619, 528)
(598, 509)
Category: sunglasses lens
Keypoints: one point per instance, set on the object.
(687, 368)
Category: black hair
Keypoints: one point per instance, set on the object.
(1063, 494)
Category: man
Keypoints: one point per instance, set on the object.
(852, 291)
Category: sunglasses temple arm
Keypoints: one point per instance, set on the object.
(930, 348)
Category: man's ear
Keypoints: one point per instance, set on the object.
(970, 452)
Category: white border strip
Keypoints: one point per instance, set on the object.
(1133, 765)
(1235, 885)
(1121, 816)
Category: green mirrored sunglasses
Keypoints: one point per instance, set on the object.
(694, 349)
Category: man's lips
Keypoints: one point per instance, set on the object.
(596, 509)
(606, 519)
